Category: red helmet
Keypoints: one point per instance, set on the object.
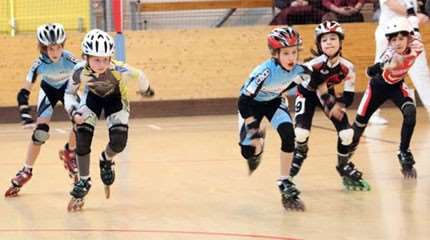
(283, 37)
(328, 27)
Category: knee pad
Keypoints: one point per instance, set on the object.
(247, 151)
(40, 134)
(84, 137)
(118, 135)
(346, 136)
(302, 134)
(409, 112)
(286, 131)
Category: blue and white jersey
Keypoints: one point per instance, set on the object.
(270, 80)
(55, 74)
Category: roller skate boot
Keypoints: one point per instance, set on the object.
(407, 162)
(300, 154)
(23, 176)
(290, 196)
(79, 191)
(107, 172)
(352, 178)
(69, 160)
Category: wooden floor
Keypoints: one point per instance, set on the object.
(183, 178)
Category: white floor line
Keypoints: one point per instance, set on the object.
(154, 126)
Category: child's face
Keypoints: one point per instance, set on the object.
(99, 64)
(54, 52)
(288, 57)
(399, 43)
(330, 44)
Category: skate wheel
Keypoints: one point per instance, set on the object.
(293, 204)
(409, 173)
(107, 192)
(12, 192)
(75, 204)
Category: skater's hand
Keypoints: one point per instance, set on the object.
(394, 62)
(148, 93)
(337, 112)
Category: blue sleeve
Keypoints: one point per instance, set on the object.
(256, 81)
(69, 57)
(34, 71)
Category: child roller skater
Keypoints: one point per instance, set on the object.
(261, 96)
(329, 69)
(387, 83)
(55, 66)
(104, 81)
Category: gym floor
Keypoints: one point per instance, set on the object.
(184, 178)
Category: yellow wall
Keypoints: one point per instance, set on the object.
(30, 13)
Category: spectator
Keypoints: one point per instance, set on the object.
(424, 7)
(297, 12)
(345, 10)
(427, 7)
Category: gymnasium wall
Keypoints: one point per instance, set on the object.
(189, 64)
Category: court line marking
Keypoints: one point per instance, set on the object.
(60, 130)
(178, 232)
(153, 126)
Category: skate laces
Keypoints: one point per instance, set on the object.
(83, 185)
(288, 188)
(349, 170)
(406, 158)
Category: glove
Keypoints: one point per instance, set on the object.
(24, 109)
(148, 93)
(328, 101)
(25, 114)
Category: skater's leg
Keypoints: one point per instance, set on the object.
(305, 111)
(375, 95)
(84, 136)
(118, 135)
(301, 150)
(79, 191)
(251, 141)
(84, 139)
(282, 122)
(406, 104)
(40, 135)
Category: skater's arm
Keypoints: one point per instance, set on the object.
(396, 6)
(23, 95)
(145, 90)
(331, 107)
(374, 70)
(348, 86)
(71, 94)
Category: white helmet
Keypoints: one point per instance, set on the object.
(98, 43)
(51, 33)
(328, 27)
(396, 25)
